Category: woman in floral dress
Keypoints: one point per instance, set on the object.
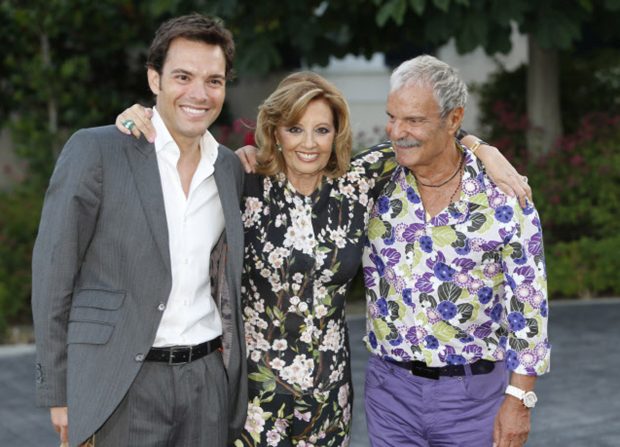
(305, 214)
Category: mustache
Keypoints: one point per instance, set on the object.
(405, 142)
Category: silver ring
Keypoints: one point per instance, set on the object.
(524, 178)
(128, 124)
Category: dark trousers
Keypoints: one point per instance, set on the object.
(172, 406)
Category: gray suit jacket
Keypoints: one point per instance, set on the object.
(101, 269)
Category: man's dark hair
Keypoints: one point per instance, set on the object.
(194, 27)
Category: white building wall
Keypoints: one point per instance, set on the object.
(475, 68)
(365, 85)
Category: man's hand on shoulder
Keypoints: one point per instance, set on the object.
(136, 121)
(512, 424)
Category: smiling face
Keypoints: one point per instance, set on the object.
(418, 133)
(190, 89)
(307, 145)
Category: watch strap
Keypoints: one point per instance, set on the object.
(528, 398)
(514, 391)
(474, 147)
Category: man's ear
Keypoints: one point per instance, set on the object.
(454, 119)
(154, 80)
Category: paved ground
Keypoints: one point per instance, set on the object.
(579, 403)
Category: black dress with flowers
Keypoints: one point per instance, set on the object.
(301, 253)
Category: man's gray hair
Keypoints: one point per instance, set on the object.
(449, 90)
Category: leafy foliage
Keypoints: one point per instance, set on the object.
(576, 184)
(67, 68)
(551, 26)
(584, 268)
(590, 83)
(487, 23)
(19, 218)
(68, 64)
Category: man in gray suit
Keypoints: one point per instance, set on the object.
(137, 266)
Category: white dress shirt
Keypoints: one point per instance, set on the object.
(195, 223)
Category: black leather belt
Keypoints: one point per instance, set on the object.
(177, 355)
(422, 370)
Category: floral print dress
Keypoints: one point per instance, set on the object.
(301, 253)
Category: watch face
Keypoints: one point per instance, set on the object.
(530, 399)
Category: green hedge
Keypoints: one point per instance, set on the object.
(20, 211)
(577, 192)
(584, 268)
(577, 185)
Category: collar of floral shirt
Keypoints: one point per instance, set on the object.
(477, 191)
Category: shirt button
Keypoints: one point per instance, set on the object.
(139, 357)
(161, 307)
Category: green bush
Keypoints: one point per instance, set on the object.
(19, 218)
(577, 184)
(589, 83)
(584, 268)
(577, 192)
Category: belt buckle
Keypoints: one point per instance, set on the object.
(174, 349)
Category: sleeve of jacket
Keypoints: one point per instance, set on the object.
(238, 386)
(67, 224)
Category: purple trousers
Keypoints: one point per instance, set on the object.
(407, 410)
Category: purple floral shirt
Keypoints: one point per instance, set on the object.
(467, 284)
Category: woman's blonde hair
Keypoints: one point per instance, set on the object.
(285, 107)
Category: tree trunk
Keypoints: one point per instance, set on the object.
(543, 100)
(52, 108)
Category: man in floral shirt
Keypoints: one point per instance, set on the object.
(456, 283)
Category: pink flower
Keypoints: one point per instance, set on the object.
(302, 416)
(576, 160)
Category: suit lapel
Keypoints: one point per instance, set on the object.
(227, 190)
(143, 162)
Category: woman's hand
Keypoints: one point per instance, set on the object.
(140, 116)
(247, 155)
(501, 171)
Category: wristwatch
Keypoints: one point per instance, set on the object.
(528, 398)
(474, 147)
